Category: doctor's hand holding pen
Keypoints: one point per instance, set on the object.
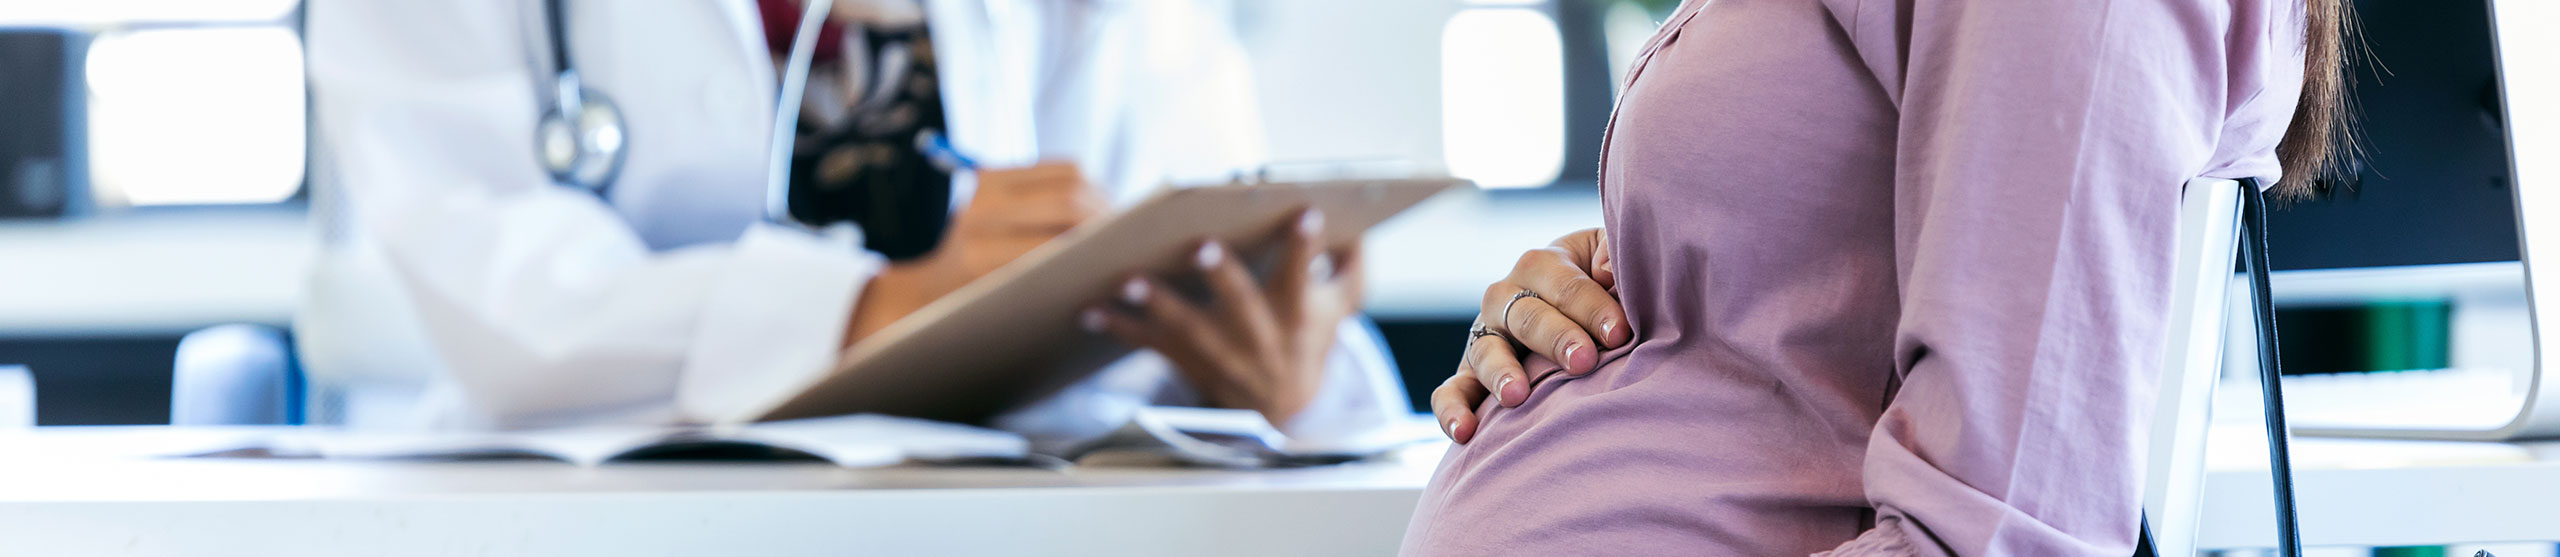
(1249, 344)
(1013, 211)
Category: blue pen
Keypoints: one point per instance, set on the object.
(938, 149)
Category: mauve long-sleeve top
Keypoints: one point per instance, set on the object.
(1898, 275)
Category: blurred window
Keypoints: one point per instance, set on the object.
(1527, 85)
(191, 102)
(1502, 103)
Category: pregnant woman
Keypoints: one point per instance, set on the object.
(1878, 277)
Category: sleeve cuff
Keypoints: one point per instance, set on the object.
(1887, 539)
(773, 321)
(1361, 401)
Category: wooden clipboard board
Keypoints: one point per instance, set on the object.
(1011, 337)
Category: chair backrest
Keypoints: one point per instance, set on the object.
(2199, 295)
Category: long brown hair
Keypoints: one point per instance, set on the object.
(2318, 143)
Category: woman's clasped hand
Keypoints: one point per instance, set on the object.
(1559, 302)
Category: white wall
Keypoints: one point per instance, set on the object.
(1348, 79)
(1359, 80)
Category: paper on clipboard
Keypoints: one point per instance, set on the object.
(1011, 337)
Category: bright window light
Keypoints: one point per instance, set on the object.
(93, 12)
(196, 116)
(1502, 97)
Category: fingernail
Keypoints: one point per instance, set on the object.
(1210, 255)
(1607, 326)
(1310, 223)
(1502, 391)
(1090, 319)
(1449, 427)
(1513, 392)
(1569, 349)
(1134, 292)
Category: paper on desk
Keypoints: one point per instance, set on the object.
(842, 438)
(851, 441)
(582, 446)
(1230, 438)
(1414, 429)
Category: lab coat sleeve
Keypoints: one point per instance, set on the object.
(1362, 395)
(544, 305)
(2042, 146)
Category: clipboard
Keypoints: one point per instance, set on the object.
(1011, 337)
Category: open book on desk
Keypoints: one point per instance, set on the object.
(1154, 436)
(861, 440)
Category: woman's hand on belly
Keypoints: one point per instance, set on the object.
(1568, 315)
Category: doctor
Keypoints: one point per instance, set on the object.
(461, 286)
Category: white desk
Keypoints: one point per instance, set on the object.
(216, 506)
(211, 506)
(2382, 493)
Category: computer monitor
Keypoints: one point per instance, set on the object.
(2460, 111)
(2433, 184)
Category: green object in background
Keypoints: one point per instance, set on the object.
(2378, 336)
(2408, 335)
(1659, 8)
(2410, 551)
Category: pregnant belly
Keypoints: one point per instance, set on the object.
(1642, 457)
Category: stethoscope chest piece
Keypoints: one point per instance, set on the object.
(581, 138)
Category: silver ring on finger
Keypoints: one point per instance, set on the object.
(1515, 300)
(1480, 331)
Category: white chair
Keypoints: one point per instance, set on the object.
(2218, 217)
(235, 375)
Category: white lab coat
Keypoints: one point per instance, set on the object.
(458, 288)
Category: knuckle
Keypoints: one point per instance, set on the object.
(1574, 287)
(1172, 313)
(1490, 367)
(1534, 263)
(1549, 326)
(1528, 262)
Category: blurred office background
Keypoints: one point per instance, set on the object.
(156, 154)
(153, 161)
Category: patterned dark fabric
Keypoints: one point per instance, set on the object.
(861, 164)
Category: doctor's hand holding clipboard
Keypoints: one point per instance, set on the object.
(1248, 343)
(461, 288)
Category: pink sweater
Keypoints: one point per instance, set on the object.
(1898, 272)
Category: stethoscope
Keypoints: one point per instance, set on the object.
(581, 138)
